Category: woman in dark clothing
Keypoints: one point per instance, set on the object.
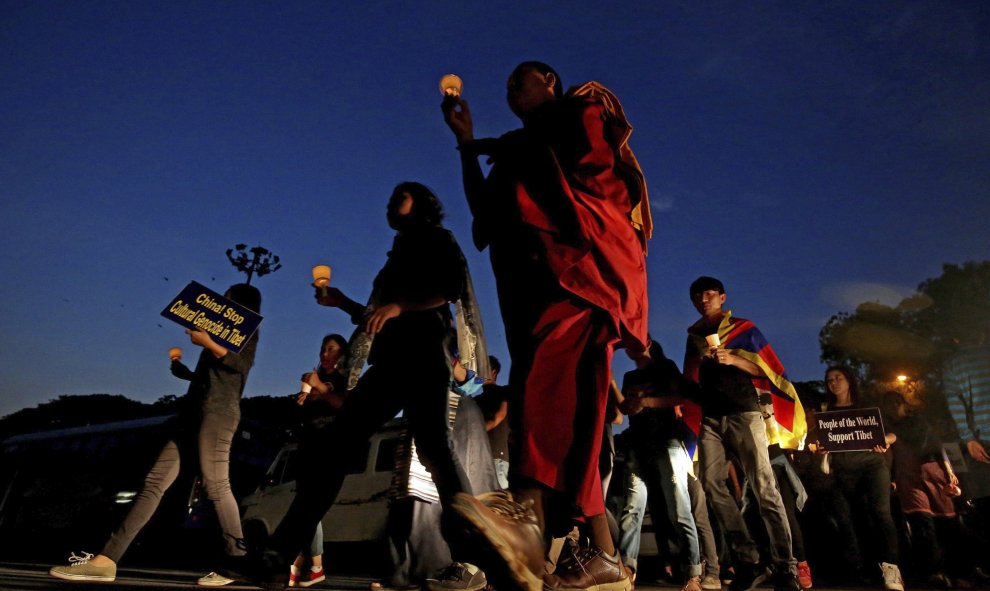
(207, 422)
(863, 475)
(925, 483)
(409, 371)
(323, 392)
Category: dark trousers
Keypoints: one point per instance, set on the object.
(415, 382)
(864, 480)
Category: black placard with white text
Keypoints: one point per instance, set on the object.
(854, 429)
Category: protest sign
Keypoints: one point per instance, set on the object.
(853, 429)
(229, 323)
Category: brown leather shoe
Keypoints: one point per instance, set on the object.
(511, 531)
(589, 569)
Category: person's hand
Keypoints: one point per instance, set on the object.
(180, 370)
(458, 117)
(302, 397)
(977, 451)
(881, 449)
(816, 448)
(377, 318)
(953, 479)
(312, 378)
(631, 406)
(200, 337)
(723, 357)
(330, 296)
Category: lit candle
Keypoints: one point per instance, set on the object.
(321, 275)
(175, 353)
(451, 85)
(713, 340)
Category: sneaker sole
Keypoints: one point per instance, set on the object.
(90, 578)
(511, 561)
(215, 583)
(312, 582)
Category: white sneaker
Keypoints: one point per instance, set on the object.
(892, 580)
(711, 583)
(213, 580)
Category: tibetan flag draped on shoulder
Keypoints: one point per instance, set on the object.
(782, 410)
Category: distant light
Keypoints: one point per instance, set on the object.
(451, 85)
(902, 378)
(175, 353)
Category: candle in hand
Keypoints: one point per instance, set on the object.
(321, 275)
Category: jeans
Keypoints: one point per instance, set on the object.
(631, 518)
(706, 536)
(665, 468)
(745, 435)
(216, 433)
(315, 546)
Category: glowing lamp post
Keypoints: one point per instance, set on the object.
(451, 85)
(321, 278)
(175, 353)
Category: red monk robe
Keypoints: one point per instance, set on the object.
(566, 216)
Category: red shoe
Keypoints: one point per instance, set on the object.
(310, 578)
(804, 574)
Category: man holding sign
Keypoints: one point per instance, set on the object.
(205, 425)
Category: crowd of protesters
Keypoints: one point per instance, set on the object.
(739, 490)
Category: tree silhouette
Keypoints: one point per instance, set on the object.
(913, 338)
(261, 263)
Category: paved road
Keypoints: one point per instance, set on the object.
(25, 577)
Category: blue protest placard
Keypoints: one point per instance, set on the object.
(229, 323)
(854, 429)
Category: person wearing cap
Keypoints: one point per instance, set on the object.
(726, 357)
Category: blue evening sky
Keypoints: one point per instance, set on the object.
(812, 155)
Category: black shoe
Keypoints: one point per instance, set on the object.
(267, 568)
(748, 577)
(785, 581)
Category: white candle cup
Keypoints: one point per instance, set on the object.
(713, 340)
(451, 85)
(305, 388)
(321, 275)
